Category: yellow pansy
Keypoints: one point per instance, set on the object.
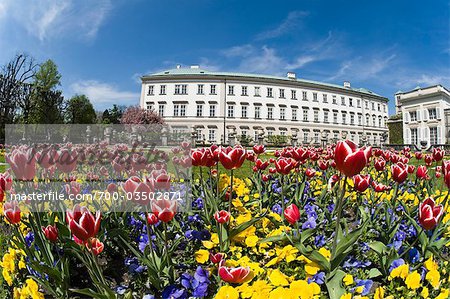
(312, 268)
(280, 293)
(424, 292)
(401, 271)
(227, 292)
(430, 264)
(325, 252)
(348, 279)
(304, 290)
(433, 278)
(251, 241)
(277, 278)
(413, 280)
(346, 296)
(202, 256)
(379, 293)
(444, 294)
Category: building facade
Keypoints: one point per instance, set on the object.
(217, 105)
(424, 113)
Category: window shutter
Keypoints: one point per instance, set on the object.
(418, 115)
(407, 136)
(419, 134)
(425, 134)
(425, 115)
(438, 113)
(406, 117)
(439, 141)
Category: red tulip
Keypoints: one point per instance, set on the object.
(422, 172)
(399, 172)
(137, 190)
(323, 164)
(51, 233)
(300, 154)
(95, 246)
(284, 165)
(418, 155)
(164, 209)
(216, 258)
(233, 275)
(152, 219)
(222, 216)
(428, 160)
(260, 165)
(332, 181)
(310, 172)
(438, 154)
(429, 213)
(111, 188)
(361, 182)
(11, 211)
(411, 169)
(446, 172)
(292, 214)
(232, 158)
(67, 161)
(82, 223)
(349, 159)
(259, 149)
(378, 187)
(380, 164)
(23, 163)
(264, 177)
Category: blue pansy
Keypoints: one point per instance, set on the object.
(414, 255)
(319, 278)
(395, 264)
(366, 283)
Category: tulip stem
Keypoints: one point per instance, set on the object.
(230, 200)
(282, 195)
(338, 217)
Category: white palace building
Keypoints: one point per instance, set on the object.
(218, 104)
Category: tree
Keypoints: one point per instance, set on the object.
(80, 111)
(115, 114)
(137, 116)
(48, 101)
(15, 90)
(106, 117)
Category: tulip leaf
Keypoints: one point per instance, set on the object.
(334, 285)
(315, 256)
(276, 238)
(378, 247)
(90, 292)
(374, 272)
(240, 228)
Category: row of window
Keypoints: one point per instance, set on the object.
(211, 135)
(432, 134)
(179, 110)
(427, 114)
(182, 89)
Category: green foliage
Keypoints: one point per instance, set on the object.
(80, 111)
(277, 140)
(245, 140)
(395, 131)
(48, 102)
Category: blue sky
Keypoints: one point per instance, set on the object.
(102, 46)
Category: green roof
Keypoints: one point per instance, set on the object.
(199, 72)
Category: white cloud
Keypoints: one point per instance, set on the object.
(290, 22)
(413, 79)
(265, 60)
(239, 51)
(46, 19)
(364, 67)
(104, 95)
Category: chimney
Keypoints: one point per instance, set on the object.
(291, 75)
(178, 66)
(195, 66)
(347, 84)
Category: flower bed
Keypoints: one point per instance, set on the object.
(338, 222)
